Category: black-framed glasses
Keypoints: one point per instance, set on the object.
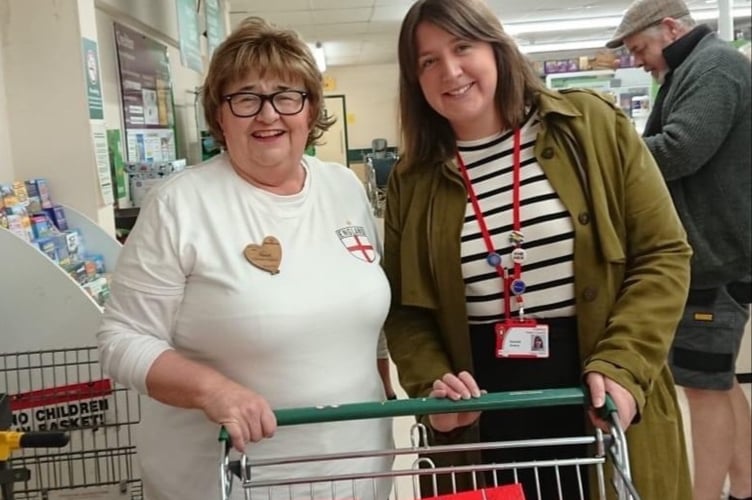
(284, 102)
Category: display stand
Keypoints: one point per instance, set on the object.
(50, 365)
(42, 306)
(630, 88)
(96, 240)
(595, 79)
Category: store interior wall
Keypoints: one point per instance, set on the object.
(371, 91)
(46, 108)
(43, 110)
(6, 156)
(156, 17)
(372, 95)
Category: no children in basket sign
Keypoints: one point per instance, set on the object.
(75, 406)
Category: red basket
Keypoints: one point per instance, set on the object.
(506, 492)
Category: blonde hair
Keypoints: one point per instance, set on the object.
(427, 137)
(256, 45)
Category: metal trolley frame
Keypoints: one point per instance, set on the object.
(65, 390)
(11, 441)
(607, 448)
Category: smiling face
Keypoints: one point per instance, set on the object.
(458, 79)
(267, 140)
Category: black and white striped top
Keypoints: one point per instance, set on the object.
(548, 269)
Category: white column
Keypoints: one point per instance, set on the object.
(726, 19)
(6, 156)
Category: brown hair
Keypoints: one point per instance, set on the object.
(427, 137)
(256, 45)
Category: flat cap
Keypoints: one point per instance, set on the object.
(645, 13)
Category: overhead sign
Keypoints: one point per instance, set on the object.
(215, 24)
(190, 41)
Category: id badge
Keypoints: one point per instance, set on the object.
(521, 339)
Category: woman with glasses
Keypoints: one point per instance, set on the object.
(250, 283)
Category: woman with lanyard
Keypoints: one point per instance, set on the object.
(517, 213)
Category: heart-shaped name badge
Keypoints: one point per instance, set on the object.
(266, 256)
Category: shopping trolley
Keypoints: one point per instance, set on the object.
(66, 390)
(11, 441)
(611, 446)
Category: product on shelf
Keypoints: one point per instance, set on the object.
(57, 214)
(19, 189)
(41, 226)
(35, 202)
(48, 247)
(27, 210)
(145, 175)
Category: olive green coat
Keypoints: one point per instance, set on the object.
(631, 267)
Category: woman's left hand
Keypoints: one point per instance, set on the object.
(626, 406)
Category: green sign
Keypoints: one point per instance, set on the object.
(215, 24)
(116, 163)
(190, 41)
(93, 84)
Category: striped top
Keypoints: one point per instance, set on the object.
(548, 269)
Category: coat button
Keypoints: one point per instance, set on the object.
(584, 218)
(548, 153)
(589, 294)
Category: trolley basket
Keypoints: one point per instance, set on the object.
(12, 440)
(608, 449)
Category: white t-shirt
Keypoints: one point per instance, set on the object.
(306, 336)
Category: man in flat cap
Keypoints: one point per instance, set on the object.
(699, 133)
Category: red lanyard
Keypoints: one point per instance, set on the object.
(507, 282)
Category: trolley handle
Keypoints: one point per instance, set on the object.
(10, 440)
(426, 406)
(43, 439)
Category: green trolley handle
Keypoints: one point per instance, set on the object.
(427, 406)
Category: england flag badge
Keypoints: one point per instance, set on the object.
(356, 242)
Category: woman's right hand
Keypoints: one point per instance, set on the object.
(245, 415)
(454, 387)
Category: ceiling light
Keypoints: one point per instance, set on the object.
(562, 46)
(319, 55)
(599, 22)
(563, 25)
(712, 14)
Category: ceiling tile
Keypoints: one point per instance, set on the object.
(294, 19)
(366, 31)
(347, 48)
(338, 4)
(257, 7)
(392, 13)
(342, 15)
(334, 31)
(383, 27)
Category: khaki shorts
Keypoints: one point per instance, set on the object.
(707, 341)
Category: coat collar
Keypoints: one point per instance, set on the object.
(551, 101)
